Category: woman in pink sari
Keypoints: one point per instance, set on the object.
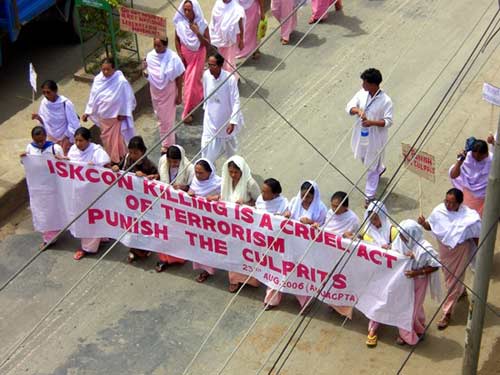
(165, 72)
(191, 42)
(456, 228)
(254, 13)
(285, 10)
(320, 8)
(226, 31)
(110, 106)
(411, 242)
(470, 174)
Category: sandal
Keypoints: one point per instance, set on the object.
(233, 288)
(371, 341)
(312, 20)
(161, 266)
(202, 277)
(284, 42)
(444, 322)
(188, 120)
(130, 257)
(400, 341)
(463, 295)
(256, 55)
(79, 254)
(268, 307)
(41, 247)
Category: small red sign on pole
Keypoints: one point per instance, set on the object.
(423, 164)
(143, 23)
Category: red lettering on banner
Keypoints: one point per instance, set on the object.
(149, 187)
(284, 226)
(95, 215)
(390, 258)
(213, 245)
(266, 222)
(116, 219)
(75, 172)
(51, 167)
(132, 202)
(362, 253)
(90, 175)
(374, 254)
(339, 281)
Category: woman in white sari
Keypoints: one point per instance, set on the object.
(57, 115)
(175, 169)
(84, 151)
(238, 186)
(307, 208)
(271, 201)
(380, 232)
(205, 184)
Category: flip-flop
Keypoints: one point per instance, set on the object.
(400, 341)
(444, 322)
(161, 266)
(79, 254)
(371, 341)
(233, 288)
(268, 307)
(202, 277)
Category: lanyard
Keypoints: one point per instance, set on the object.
(371, 101)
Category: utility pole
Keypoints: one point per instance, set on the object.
(484, 264)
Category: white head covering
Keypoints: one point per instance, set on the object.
(230, 194)
(184, 32)
(185, 170)
(424, 254)
(94, 153)
(163, 68)
(212, 184)
(381, 236)
(246, 3)
(224, 23)
(316, 211)
(454, 227)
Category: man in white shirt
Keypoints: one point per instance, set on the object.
(222, 119)
(370, 132)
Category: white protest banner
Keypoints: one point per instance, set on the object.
(223, 235)
(423, 164)
(491, 94)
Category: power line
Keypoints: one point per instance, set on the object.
(155, 145)
(414, 347)
(22, 340)
(352, 183)
(397, 171)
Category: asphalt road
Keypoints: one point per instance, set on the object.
(128, 319)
